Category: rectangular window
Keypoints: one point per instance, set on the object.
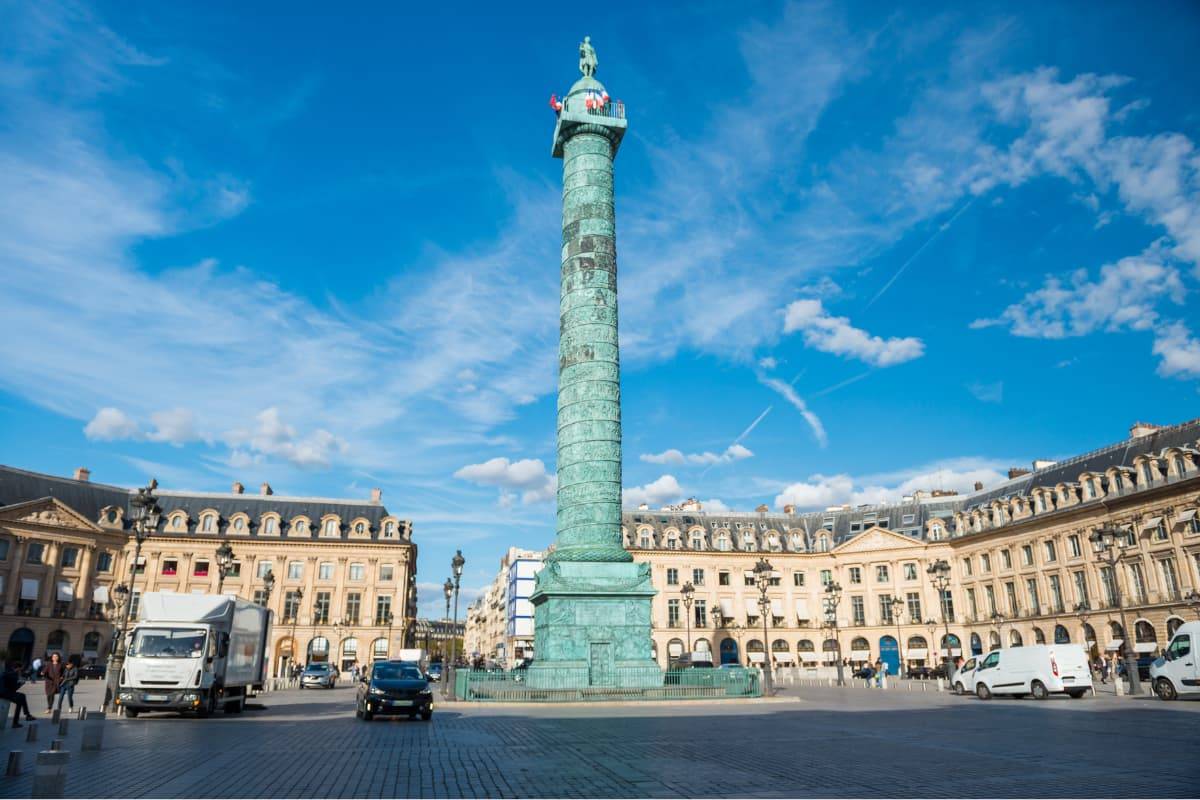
(990, 594)
(775, 579)
(885, 609)
(321, 609)
(966, 562)
(1010, 592)
(723, 578)
(291, 606)
(948, 605)
(200, 569)
(1081, 592)
(1051, 553)
(1074, 546)
(1056, 595)
(673, 612)
(701, 614)
(325, 571)
(881, 573)
(235, 570)
(1137, 583)
(698, 577)
(383, 609)
(1160, 532)
(104, 561)
(826, 577)
(908, 519)
(387, 572)
(985, 563)
(972, 606)
(170, 566)
(910, 572)
(858, 610)
(855, 575)
(749, 579)
(260, 597)
(70, 557)
(1006, 559)
(797, 579)
(914, 606)
(357, 572)
(672, 576)
(34, 554)
(353, 607)
(135, 603)
(1027, 555)
(1170, 579)
(263, 567)
(1110, 588)
(1032, 590)
(295, 570)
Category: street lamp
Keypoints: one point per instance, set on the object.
(762, 573)
(456, 569)
(998, 621)
(939, 576)
(388, 618)
(897, 613)
(688, 591)
(833, 596)
(1110, 544)
(224, 565)
(146, 514)
(295, 615)
(448, 588)
(268, 587)
(1192, 598)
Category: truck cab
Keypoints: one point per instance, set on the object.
(1177, 671)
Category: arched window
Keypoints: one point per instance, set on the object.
(1061, 635)
(178, 522)
(773, 542)
(697, 540)
(57, 642)
(747, 540)
(674, 649)
(1089, 634)
(723, 542)
(798, 542)
(318, 649)
(359, 528)
(269, 526)
(379, 649)
(755, 652)
(936, 532)
(780, 646)
(1173, 624)
(703, 646)
(976, 645)
(673, 540)
(823, 543)
(239, 524)
(859, 643)
(645, 539)
(331, 527)
(208, 523)
(1144, 632)
(805, 646)
(917, 642)
(1038, 636)
(389, 528)
(299, 526)
(829, 651)
(1014, 638)
(994, 641)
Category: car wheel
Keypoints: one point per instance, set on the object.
(959, 688)
(130, 712)
(983, 692)
(1039, 690)
(1077, 693)
(368, 715)
(1165, 689)
(427, 715)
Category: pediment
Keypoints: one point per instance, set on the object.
(876, 539)
(47, 512)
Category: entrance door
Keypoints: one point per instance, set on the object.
(20, 646)
(601, 669)
(729, 652)
(889, 653)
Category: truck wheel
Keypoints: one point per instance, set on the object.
(1039, 690)
(236, 706)
(209, 705)
(1165, 689)
(130, 712)
(982, 691)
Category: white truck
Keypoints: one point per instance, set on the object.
(194, 653)
(1177, 671)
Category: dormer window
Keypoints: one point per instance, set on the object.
(1144, 473)
(389, 528)
(331, 527)
(697, 540)
(823, 543)
(239, 524)
(269, 525)
(723, 542)
(747, 541)
(208, 523)
(645, 540)
(299, 526)
(177, 522)
(359, 528)
(936, 532)
(797, 541)
(1040, 502)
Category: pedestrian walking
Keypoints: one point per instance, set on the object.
(10, 690)
(881, 671)
(867, 674)
(67, 687)
(53, 673)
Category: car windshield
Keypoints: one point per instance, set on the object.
(167, 643)
(317, 668)
(397, 672)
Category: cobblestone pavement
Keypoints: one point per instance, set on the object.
(810, 742)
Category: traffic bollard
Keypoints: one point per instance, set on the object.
(56, 744)
(93, 731)
(63, 726)
(50, 773)
(31, 732)
(1119, 687)
(82, 712)
(14, 764)
(56, 716)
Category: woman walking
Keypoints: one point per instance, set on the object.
(67, 689)
(53, 673)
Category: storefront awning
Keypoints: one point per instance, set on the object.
(752, 608)
(1115, 644)
(860, 655)
(1185, 516)
(727, 607)
(1151, 523)
(1145, 647)
(66, 591)
(801, 610)
(916, 652)
(776, 608)
(29, 589)
(100, 595)
(784, 658)
(756, 658)
(675, 649)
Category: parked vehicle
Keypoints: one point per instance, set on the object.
(319, 675)
(926, 673)
(1143, 663)
(1040, 670)
(193, 652)
(435, 671)
(694, 660)
(393, 688)
(93, 671)
(1177, 672)
(963, 680)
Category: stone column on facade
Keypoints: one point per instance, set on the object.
(12, 591)
(83, 591)
(49, 589)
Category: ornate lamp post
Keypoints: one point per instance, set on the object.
(833, 596)
(688, 591)
(146, 514)
(268, 587)
(1192, 598)
(762, 574)
(897, 612)
(939, 576)
(338, 627)
(1110, 544)
(224, 565)
(295, 616)
(448, 590)
(456, 569)
(389, 619)
(998, 621)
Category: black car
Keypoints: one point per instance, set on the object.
(394, 688)
(92, 671)
(1143, 663)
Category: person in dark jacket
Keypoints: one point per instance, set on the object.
(53, 672)
(10, 690)
(67, 688)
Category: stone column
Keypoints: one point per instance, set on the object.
(83, 592)
(12, 591)
(49, 589)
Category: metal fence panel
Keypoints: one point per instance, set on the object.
(678, 684)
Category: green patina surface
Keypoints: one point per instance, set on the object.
(592, 604)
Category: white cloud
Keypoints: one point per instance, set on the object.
(768, 362)
(789, 394)
(715, 506)
(176, 426)
(820, 491)
(1179, 351)
(987, 392)
(663, 491)
(110, 424)
(836, 335)
(528, 475)
(271, 436)
(735, 452)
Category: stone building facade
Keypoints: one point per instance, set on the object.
(1022, 568)
(344, 569)
(499, 623)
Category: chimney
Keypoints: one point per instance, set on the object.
(1016, 472)
(789, 509)
(1138, 429)
(237, 488)
(644, 507)
(762, 509)
(82, 474)
(979, 486)
(377, 495)
(265, 489)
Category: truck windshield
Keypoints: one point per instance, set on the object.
(167, 643)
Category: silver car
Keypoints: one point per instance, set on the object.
(320, 675)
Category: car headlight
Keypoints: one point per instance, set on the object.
(427, 690)
(376, 690)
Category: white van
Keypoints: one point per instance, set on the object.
(964, 677)
(1177, 671)
(1040, 670)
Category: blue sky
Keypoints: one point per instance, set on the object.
(914, 246)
